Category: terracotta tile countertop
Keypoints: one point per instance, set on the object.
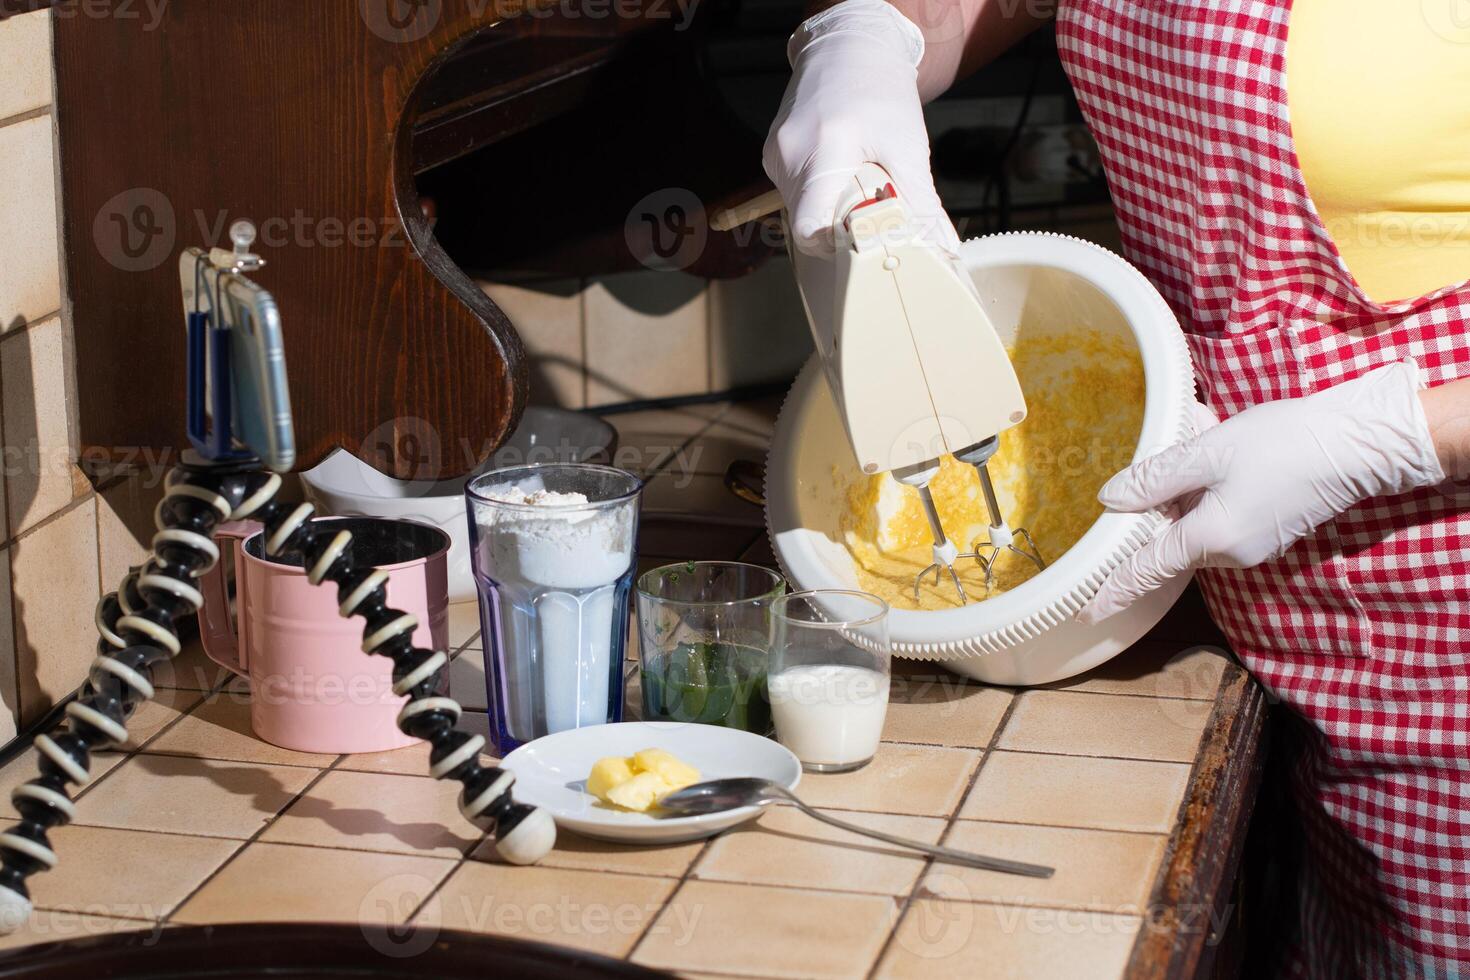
(200, 822)
(1132, 781)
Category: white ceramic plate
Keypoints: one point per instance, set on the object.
(551, 772)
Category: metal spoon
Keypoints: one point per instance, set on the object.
(728, 794)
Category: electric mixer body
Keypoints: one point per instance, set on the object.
(915, 366)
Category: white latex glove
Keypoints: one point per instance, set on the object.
(853, 99)
(1247, 489)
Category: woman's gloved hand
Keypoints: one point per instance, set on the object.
(853, 99)
(1245, 490)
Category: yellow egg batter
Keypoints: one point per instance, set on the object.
(1084, 397)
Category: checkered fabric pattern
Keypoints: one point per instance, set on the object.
(1363, 627)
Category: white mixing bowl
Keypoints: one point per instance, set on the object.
(1026, 635)
(343, 485)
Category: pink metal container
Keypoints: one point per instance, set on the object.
(312, 688)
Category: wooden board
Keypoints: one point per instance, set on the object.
(294, 115)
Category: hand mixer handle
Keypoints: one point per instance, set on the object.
(870, 175)
(873, 193)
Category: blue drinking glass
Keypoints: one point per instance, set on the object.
(554, 573)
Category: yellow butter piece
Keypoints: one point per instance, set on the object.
(638, 781)
(607, 773)
(639, 793)
(676, 773)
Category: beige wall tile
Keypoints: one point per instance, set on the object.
(596, 911)
(25, 63)
(202, 797)
(768, 932)
(647, 337)
(464, 624)
(30, 264)
(54, 578)
(126, 873)
(40, 477)
(1078, 791)
(756, 416)
(548, 316)
(283, 883)
(939, 708)
(671, 492)
(719, 446)
(649, 440)
(125, 526)
(758, 329)
(1095, 869)
(377, 812)
(787, 847)
(467, 681)
(939, 938)
(1165, 729)
(916, 779)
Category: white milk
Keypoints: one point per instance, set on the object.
(557, 570)
(829, 715)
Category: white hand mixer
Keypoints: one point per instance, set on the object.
(915, 366)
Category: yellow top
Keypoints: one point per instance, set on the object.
(1379, 93)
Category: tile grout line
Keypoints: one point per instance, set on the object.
(26, 116)
(439, 885)
(218, 688)
(1063, 755)
(48, 520)
(29, 323)
(253, 838)
(907, 902)
(138, 750)
(238, 851)
(679, 884)
(664, 464)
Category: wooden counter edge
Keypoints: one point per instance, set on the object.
(1189, 904)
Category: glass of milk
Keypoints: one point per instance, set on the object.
(553, 552)
(829, 677)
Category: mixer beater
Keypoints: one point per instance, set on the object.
(1002, 537)
(945, 552)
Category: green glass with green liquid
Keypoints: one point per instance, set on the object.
(704, 634)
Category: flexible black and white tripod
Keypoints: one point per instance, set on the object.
(137, 630)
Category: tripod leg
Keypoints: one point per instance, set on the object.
(136, 624)
(523, 834)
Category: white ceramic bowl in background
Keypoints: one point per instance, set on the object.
(1026, 635)
(551, 772)
(344, 486)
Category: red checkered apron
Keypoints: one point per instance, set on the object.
(1362, 628)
